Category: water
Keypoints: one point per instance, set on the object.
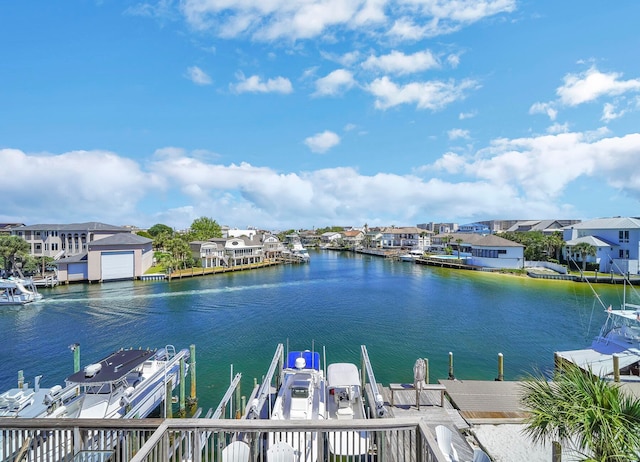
(400, 311)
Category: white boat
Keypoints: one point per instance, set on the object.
(300, 252)
(345, 402)
(125, 384)
(619, 336)
(301, 396)
(15, 291)
(412, 255)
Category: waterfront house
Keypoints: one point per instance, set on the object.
(353, 238)
(210, 253)
(330, 237)
(403, 237)
(243, 250)
(488, 251)
(617, 243)
(58, 240)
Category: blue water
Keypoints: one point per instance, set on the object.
(399, 310)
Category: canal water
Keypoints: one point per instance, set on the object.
(400, 311)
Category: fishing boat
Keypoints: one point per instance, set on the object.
(125, 384)
(618, 340)
(300, 252)
(412, 255)
(345, 402)
(35, 402)
(18, 291)
(301, 396)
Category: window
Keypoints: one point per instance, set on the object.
(623, 236)
(623, 253)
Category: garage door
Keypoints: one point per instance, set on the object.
(117, 265)
(77, 271)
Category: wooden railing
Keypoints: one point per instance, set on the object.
(205, 440)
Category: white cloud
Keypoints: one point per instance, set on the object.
(255, 84)
(285, 19)
(544, 108)
(458, 133)
(322, 142)
(198, 76)
(592, 84)
(453, 60)
(399, 63)
(506, 177)
(467, 115)
(335, 83)
(432, 95)
(558, 128)
(609, 112)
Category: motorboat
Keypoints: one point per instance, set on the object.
(618, 339)
(25, 401)
(412, 255)
(345, 402)
(300, 252)
(301, 396)
(125, 384)
(18, 291)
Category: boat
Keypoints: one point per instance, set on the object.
(35, 402)
(301, 396)
(345, 401)
(300, 252)
(618, 339)
(18, 291)
(125, 384)
(412, 255)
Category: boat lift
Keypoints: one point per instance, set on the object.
(377, 400)
(264, 391)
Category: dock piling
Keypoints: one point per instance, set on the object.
(426, 370)
(451, 376)
(182, 388)
(192, 368)
(76, 357)
(500, 377)
(616, 368)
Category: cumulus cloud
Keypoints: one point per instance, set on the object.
(458, 133)
(433, 95)
(505, 177)
(334, 83)
(322, 142)
(544, 108)
(592, 84)
(255, 84)
(399, 63)
(609, 112)
(198, 76)
(285, 19)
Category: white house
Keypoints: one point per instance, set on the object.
(617, 242)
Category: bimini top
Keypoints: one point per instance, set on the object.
(342, 375)
(112, 368)
(311, 359)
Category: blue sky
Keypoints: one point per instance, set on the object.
(286, 114)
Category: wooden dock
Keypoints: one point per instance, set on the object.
(467, 403)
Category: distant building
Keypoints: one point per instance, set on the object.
(5, 228)
(617, 243)
(404, 237)
(489, 251)
(546, 227)
(476, 228)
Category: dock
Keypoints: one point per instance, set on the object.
(467, 403)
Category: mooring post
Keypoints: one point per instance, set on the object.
(192, 368)
(451, 376)
(616, 368)
(500, 377)
(168, 405)
(426, 370)
(182, 388)
(76, 357)
(20, 379)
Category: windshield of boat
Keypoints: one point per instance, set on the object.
(299, 392)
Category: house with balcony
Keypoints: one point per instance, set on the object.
(408, 237)
(210, 253)
(488, 251)
(353, 238)
(617, 243)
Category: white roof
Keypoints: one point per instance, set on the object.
(342, 374)
(608, 223)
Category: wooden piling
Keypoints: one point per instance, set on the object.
(426, 370)
(183, 408)
(451, 376)
(500, 377)
(168, 405)
(192, 368)
(556, 452)
(76, 357)
(616, 368)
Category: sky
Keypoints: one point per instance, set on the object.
(300, 114)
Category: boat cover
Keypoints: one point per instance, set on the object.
(114, 367)
(312, 358)
(601, 364)
(342, 374)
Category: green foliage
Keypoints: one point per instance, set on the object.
(537, 246)
(12, 248)
(158, 229)
(283, 234)
(595, 418)
(329, 229)
(203, 229)
(144, 234)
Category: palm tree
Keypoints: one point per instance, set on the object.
(584, 249)
(596, 419)
(458, 241)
